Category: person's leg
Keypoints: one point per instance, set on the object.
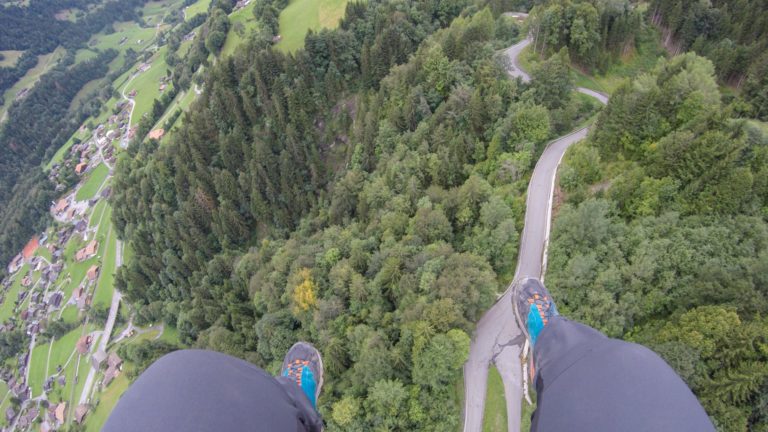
(195, 390)
(586, 381)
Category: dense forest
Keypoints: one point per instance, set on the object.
(663, 236)
(731, 33)
(364, 193)
(596, 34)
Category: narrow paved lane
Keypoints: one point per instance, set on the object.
(497, 338)
(108, 326)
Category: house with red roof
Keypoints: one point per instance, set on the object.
(30, 248)
(81, 167)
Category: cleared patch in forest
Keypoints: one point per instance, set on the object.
(10, 57)
(241, 24)
(301, 16)
(200, 6)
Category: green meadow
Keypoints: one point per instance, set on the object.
(301, 16)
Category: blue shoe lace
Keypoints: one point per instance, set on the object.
(301, 373)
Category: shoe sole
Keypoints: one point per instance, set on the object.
(516, 287)
(520, 322)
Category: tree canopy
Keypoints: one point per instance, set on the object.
(663, 238)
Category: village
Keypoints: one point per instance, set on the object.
(60, 293)
(59, 305)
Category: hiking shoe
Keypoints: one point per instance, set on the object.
(533, 307)
(304, 365)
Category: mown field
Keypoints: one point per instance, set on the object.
(61, 351)
(91, 186)
(147, 85)
(200, 6)
(107, 401)
(303, 15)
(10, 57)
(6, 309)
(106, 283)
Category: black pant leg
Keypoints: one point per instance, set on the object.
(195, 390)
(588, 382)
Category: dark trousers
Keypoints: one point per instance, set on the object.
(195, 390)
(588, 382)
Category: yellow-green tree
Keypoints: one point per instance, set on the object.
(304, 293)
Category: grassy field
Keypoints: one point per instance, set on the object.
(303, 15)
(45, 253)
(69, 314)
(60, 352)
(84, 54)
(242, 22)
(37, 370)
(63, 348)
(6, 309)
(170, 335)
(106, 283)
(10, 58)
(44, 64)
(70, 392)
(141, 337)
(147, 85)
(107, 401)
(101, 233)
(154, 11)
(91, 186)
(200, 6)
(136, 37)
(96, 213)
(495, 416)
(5, 398)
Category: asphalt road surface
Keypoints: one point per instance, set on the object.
(497, 338)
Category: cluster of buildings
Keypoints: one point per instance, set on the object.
(113, 362)
(25, 420)
(56, 415)
(86, 155)
(40, 300)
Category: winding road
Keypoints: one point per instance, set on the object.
(497, 338)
